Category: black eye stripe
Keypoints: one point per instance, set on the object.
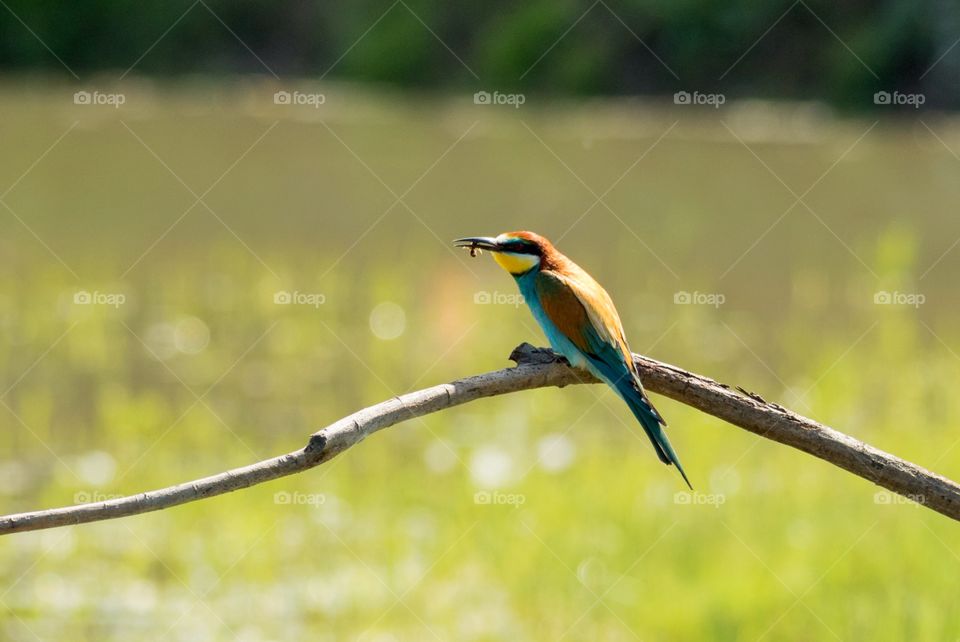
(521, 247)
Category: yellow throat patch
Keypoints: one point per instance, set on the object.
(516, 263)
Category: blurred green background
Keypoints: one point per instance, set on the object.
(151, 243)
(804, 49)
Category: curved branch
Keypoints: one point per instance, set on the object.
(536, 368)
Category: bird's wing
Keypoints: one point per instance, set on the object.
(585, 314)
(583, 311)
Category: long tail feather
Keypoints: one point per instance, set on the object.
(652, 424)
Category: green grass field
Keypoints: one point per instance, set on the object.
(187, 210)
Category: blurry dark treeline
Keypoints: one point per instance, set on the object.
(841, 52)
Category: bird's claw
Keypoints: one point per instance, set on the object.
(528, 354)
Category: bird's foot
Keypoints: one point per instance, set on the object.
(528, 354)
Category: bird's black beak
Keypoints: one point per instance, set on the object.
(478, 243)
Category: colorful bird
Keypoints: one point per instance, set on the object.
(579, 319)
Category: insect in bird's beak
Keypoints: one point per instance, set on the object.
(476, 244)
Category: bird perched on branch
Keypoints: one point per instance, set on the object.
(579, 320)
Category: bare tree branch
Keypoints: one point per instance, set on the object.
(536, 368)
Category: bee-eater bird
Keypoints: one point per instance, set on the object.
(579, 319)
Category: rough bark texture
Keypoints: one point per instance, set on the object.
(536, 368)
